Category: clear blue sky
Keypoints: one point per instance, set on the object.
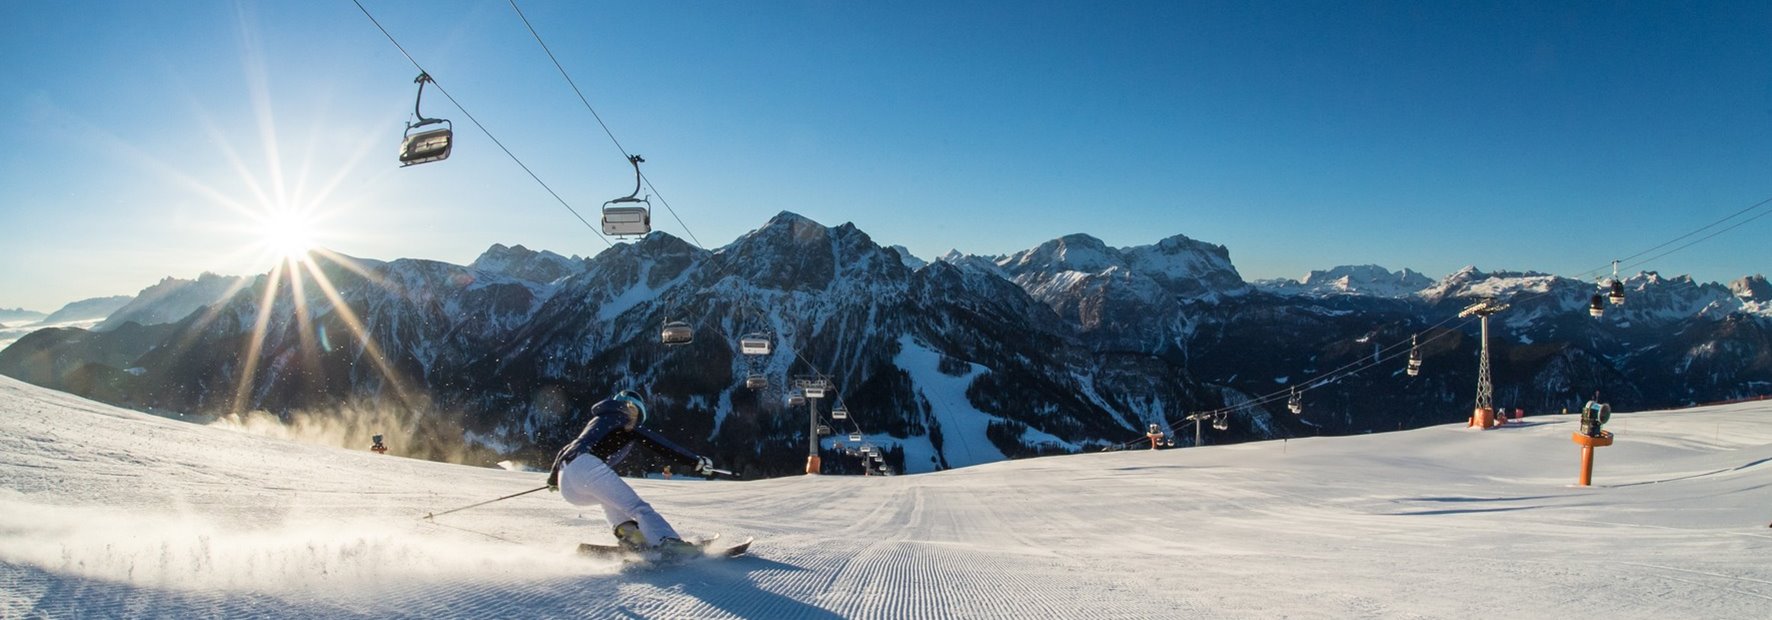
(1552, 136)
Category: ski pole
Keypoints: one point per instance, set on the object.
(432, 516)
(722, 472)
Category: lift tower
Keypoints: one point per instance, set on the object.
(814, 388)
(1484, 415)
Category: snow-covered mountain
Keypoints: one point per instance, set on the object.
(522, 263)
(1065, 346)
(106, 512)
(1370, 280)
(88, 309)
(909, 259)
(173, 299)
(1125, 298)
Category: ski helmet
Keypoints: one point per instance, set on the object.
(1153, 428)
(636, 406)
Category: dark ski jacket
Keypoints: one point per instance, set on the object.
(605, 437)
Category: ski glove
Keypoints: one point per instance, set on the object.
(704, 466)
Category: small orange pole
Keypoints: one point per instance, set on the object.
(812, 465)
(1587, 453)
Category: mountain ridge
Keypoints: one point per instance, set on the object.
(1074, 345)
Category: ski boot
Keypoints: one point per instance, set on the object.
(677, 550)
(629, 537)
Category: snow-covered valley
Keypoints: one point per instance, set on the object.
(106, 512)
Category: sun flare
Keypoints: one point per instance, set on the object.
(289, 235)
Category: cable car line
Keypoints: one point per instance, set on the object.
(1702, 239)
(1674, 240)
(678, 336)
(483, 129)
(599, 117)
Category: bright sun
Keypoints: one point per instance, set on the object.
(289, 235)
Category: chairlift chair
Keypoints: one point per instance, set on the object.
(856, 437)
(1220, 423)
(1295, 404)
(677, 333)
(823, 430)
(754, 344)
(815, 391)
(429, 145)
(796, 399)
(756, 381)
(840, 413)
(628, 215)
(1414, 357)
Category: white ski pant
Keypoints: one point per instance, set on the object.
(587, 480)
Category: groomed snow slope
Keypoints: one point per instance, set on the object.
(111, 513)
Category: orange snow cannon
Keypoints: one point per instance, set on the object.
(1593, 416)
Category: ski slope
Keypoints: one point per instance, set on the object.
(111, 513)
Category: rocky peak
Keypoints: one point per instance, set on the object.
(1752, 288)
(525, 264)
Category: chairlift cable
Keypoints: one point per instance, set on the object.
(648, 181)
(1699, 240)
(483, 129)
(606, 131)
(1674, 240)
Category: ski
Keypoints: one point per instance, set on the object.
(650, 558)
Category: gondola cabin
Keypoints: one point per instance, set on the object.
(756, 381)
(1596, 307)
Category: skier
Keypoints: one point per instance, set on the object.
(582, 474)
(379, 447)
(1155, 435)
